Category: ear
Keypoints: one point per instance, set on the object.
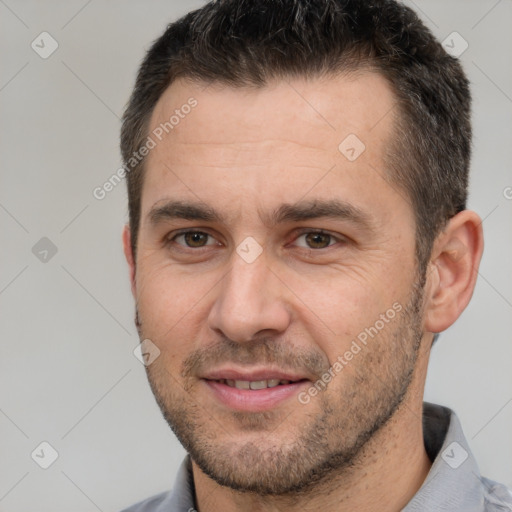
(453, 270)
(130, 257)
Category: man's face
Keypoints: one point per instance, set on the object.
(268, 253)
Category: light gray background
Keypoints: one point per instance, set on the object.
(68, 374)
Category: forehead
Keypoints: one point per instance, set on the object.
(215, 141)
(358, 100)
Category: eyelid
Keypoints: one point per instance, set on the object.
(171, 237)
(305, 231)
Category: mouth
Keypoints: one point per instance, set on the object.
(255, 384)
(255, 391)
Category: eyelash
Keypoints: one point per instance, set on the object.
(336, 238)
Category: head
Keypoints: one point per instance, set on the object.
(303, 217)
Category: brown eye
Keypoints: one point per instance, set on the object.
(193, 239)
(196, 239)
(318, 240)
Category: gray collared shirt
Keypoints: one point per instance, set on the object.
(453, 484)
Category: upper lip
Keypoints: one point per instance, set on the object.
(252, 375)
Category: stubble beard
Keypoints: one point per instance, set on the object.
(312, 449)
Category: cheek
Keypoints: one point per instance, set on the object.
(339, 305)
(172, 306)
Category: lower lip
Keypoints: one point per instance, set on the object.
(254, 400)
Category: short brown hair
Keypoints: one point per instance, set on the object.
(246, 43)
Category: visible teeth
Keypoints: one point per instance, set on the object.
(254, 384)
(258, 384)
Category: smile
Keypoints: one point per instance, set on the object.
(253, 384)
(253, 395)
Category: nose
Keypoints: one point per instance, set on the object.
(250, 302)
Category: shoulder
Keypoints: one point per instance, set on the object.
(156, 503)
(179, 499)
(497, 497)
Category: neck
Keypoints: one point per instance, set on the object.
(388, 472)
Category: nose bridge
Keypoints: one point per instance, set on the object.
(242, 281)
(250, 299)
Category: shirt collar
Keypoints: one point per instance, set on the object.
(453, 482)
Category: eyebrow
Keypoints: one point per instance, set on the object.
(313, 209)
(183, 210)
(296, 212)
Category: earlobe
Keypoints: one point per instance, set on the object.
(127, 248)
(453, 270)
